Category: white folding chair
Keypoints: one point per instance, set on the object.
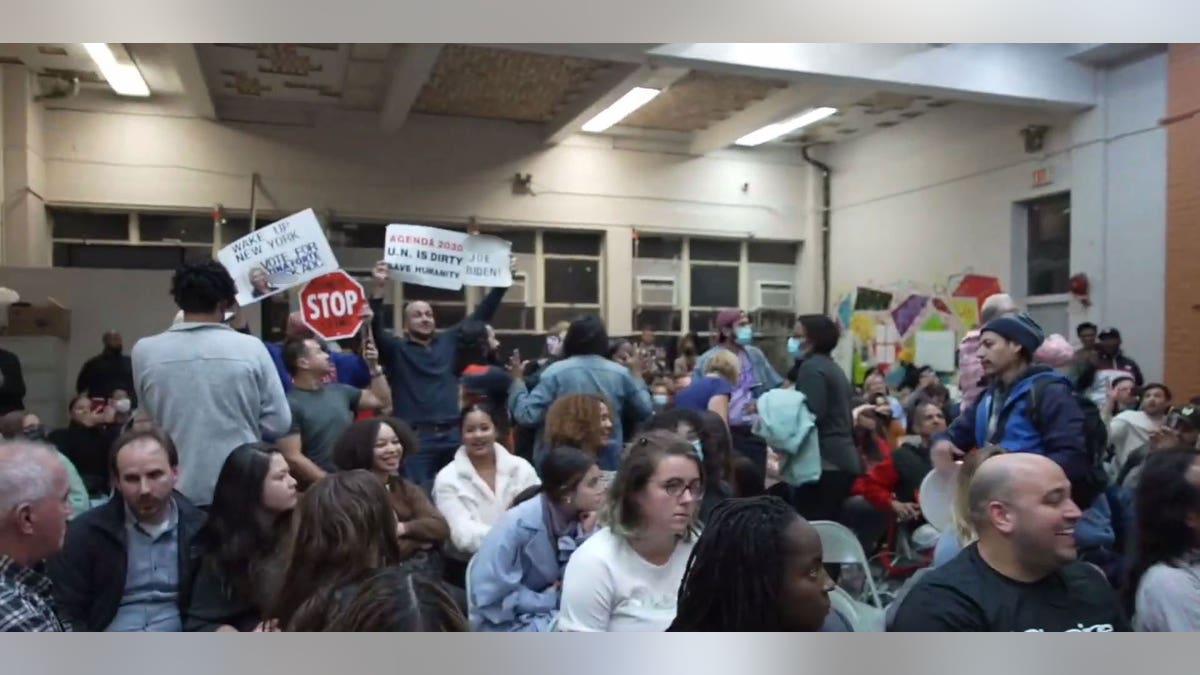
(863, 618)
(470, 598)
(840, 546)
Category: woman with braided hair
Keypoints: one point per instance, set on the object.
(756, 567)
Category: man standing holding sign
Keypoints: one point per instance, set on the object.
(419, 367)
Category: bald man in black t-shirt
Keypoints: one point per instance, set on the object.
(1022, 574)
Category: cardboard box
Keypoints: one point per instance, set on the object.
(49, 319)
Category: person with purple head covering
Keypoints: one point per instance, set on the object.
(733, 331)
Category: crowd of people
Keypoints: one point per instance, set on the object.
(418, 480)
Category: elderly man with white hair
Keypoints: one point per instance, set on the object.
(33, 520)
(1055, 352)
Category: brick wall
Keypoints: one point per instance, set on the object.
(1181, 363)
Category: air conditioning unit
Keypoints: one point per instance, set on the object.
(518, 293)
(656, 292)
(775, 295)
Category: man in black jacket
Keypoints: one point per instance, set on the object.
(12, 383)
(128, 565)
(108, 371)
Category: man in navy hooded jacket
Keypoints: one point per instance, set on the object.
(1002, 416)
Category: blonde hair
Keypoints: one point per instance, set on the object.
(725, 364)
(960, 515)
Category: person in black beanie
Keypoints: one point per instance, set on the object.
(1003, 417)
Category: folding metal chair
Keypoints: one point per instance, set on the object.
(840, 546)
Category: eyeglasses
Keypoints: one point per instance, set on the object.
(676, 486)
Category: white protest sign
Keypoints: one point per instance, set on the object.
(427, 256)
(284, 254)
(487, 262)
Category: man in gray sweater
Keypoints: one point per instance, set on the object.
(208, 386)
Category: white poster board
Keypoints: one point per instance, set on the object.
(936, 348)
(277, 257)
(487, 262)
(431, 256)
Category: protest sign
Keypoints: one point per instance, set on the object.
(487, 262)
(284, 254)
(428, 256)
(332, 305)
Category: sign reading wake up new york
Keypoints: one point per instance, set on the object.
(281, 255)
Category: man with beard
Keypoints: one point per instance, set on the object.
(420, 371)
(128, 565)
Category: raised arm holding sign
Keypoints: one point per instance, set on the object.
(419, 367)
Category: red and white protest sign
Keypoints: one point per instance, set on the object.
(332, 305)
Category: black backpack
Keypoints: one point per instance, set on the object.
(1095, 443)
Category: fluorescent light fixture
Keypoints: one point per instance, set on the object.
(124, 78)
(636, 98)
(773, 131)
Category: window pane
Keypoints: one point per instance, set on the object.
(514, 317)
(776, 252)
(428, 294)
(233, 229)
(552, 315)
(191, 229)
(714, 286)
(571, 243)
(659, 320)
(572, 281)
(1049, 245)
(721, 250)
(104, 256)
(357, 235)
(523, 241)
(197, 254)
(90, 225)
(665, 248)
(701, 320)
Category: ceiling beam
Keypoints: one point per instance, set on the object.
(412, 68)
(604, 92)
(1031, 75)
(191, 79)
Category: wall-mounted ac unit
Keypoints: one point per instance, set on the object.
(775, 295)
(518, 293)
(656, 292)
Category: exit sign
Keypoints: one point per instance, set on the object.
(1042, 177)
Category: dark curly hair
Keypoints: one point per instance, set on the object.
(1162, 503)
(203, 287)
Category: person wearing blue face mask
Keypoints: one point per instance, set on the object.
(660, 394)
(756, 376)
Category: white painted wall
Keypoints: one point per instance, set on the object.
(935, 197)
(434, 169)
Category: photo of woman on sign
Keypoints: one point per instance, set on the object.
(260, 282)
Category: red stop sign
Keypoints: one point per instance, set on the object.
(332, 305)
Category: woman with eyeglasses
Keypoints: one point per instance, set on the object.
(626, 576)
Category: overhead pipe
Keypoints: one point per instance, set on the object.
(825, 218)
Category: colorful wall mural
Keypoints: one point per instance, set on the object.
(906, 323)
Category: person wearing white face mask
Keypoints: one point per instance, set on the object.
(735, 334)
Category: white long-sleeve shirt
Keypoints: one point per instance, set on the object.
(471, 508)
